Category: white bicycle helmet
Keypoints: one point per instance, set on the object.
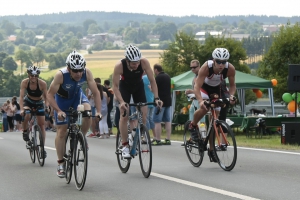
(133, 53)
(75, 60)
(221, 54)
(33, 70)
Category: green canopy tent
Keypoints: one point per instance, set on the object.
(242, 80)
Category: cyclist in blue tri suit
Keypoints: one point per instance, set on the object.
(65, 92)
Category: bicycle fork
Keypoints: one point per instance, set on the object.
(221, 137)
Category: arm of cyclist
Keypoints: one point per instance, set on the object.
(118, 71)
(22, 94)
(53, 88)
(43, 85)
(202, 74)
(93, 87)
(232, 86)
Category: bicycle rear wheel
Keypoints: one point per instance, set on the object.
(68, 157)
(123, 163)
(145, 152)
(80, 161)
(39, 145)
(193, 152)
(32, 143)
(226, 153)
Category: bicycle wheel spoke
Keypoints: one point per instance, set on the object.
(193, 152)
(145, 152)
(68, 157)
(80, 164)
(39, 145)
(226, 151)
(124, 164)
(31, 143)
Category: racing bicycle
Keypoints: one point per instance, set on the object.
(140, 144)
(224, 143)
(35, 145)
(76, 155)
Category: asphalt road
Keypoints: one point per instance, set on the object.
(258, 174)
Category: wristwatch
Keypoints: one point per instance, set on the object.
(156, 98)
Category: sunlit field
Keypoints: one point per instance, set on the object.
(102, 63)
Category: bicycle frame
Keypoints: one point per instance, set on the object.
(212, 124)
(139, 115)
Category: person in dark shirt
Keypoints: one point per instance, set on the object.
(36, 90)
(163, 82)
(127, 81)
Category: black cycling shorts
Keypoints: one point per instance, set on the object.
(137, 91)
(35, 104)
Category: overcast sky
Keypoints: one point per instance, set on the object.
(285, 8)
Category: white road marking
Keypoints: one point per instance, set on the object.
(50, 148)
(1, 138)
(204, 187)
(267, 150)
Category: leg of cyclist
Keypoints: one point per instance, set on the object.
(123, 130)
(26, 118)
(41, 123)
(86, 121)
(60, 145)
(198, 115)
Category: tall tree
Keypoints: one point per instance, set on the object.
(38, 55)
(283, 51)
(23, 57)
(9, 64)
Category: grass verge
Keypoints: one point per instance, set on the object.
(266, 142)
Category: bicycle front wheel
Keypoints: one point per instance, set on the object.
(123, 163)
(145, 151)
(31, 143)
(194, 151)
(226, 151)
(68, 157)
(39, 145)
(80, 161)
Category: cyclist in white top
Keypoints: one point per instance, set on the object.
(209, 79)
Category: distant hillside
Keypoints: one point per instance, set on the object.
(117, 18)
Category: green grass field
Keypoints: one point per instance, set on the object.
(102, 63)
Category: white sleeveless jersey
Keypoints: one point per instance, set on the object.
(215, 79)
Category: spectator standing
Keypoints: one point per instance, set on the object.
(110, 105)
(10, 115)
(94, 126)
(194, 66)
(4, 117)
(17, 116)
(103, 128)
(150, 98)
(163, 82)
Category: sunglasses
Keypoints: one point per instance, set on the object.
(221, 62)
(77, 70)
(33, 75)
(193, 67)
